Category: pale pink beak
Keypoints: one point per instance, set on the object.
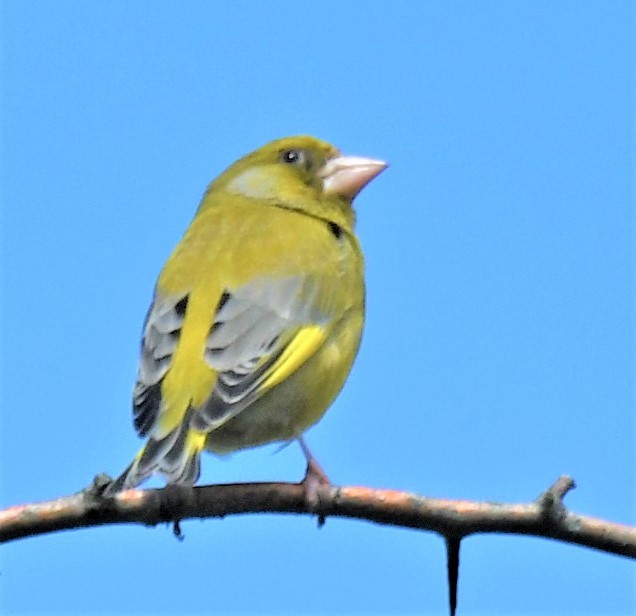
(348, 175)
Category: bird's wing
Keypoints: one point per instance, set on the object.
(161, 332)
(261, 334)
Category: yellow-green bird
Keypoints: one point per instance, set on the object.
(257, 314)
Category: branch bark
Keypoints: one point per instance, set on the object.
(456, 519)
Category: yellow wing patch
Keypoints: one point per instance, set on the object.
(302, 346)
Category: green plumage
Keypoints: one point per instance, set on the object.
(258, 312)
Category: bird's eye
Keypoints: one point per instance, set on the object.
(293, 157)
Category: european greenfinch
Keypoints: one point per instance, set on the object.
(257, 314)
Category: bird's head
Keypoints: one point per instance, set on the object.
(301, 173)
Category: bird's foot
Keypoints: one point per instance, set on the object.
(315, 479)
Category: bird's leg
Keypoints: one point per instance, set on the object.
(314, 470)
(315, 478)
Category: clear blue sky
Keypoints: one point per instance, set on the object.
(499, 349)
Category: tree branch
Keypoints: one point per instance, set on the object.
(545, 517)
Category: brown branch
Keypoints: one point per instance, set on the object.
(454, 519)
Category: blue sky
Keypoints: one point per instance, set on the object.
(499, 350)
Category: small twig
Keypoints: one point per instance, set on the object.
(551, 501)
(562, 486)
(176, 530)
(452, 567)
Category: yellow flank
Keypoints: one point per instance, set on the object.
(258, 312)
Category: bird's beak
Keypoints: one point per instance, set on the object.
(348, 175)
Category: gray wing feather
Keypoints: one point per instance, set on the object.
(251, 319)
(161, 332)
(249, 333)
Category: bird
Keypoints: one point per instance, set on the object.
(257, 314)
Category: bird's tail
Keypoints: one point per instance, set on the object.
(175, 456)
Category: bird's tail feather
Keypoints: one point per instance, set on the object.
(176, 457)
